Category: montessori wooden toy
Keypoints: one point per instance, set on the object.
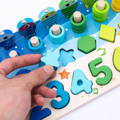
(80, 43)
(7, 39)
(48, 17)
(68, 7)
(35, 41)
(100, 10)
(36, 44)
(101, 5)
(78, 22)
(27, 28)
(88, 3)
(116, 5)
(57, 34)
(13, 53)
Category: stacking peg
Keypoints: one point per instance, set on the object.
(78, 22)
(56, 29)
(101, 5)
(34, 41)
(77, 17)
(13, 53)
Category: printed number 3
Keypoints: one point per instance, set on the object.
(65, 97)
(103, 69)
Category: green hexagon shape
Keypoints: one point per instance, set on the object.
(87, 44)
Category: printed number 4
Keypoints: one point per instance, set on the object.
(65, 97)
(97, 70)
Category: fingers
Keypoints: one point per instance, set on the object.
(45, 92)
(38, 77)
(39, 100)
(41, 93)
(11, 64)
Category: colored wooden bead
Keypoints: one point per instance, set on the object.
(78, 27)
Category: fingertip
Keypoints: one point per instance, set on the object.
(39, 100)
(49, 70)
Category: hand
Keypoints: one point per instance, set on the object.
(18, 94)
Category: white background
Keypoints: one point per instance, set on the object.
(106, 107)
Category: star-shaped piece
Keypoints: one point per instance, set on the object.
(64, 74)
(66, 56)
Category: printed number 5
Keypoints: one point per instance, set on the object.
(97, 70)
(65, 97)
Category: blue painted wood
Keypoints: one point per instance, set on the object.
(80, 83)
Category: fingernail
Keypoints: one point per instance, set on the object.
(49, 70)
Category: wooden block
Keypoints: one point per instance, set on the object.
(77, 17)
(107, 33)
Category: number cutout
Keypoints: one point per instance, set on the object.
(38, 113)
(97, 70)
(65, 97)
(116, 58)
(80, 83)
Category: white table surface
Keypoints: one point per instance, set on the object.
(106, 107)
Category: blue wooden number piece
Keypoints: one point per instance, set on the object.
(38, 114)
(80, 83)
(65, 97)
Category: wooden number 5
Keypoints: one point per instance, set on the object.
(97, 70)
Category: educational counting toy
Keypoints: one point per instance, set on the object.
(81, 41)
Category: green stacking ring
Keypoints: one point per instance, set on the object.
(78, 27)
(100, 15)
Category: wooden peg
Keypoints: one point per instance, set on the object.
(34, 41)
(13, 53)
(101, 5)
(77, 17)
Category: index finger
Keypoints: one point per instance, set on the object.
(11, 64)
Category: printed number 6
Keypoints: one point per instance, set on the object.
(103, 69)
(65, 97)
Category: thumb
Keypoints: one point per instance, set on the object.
(38, 76)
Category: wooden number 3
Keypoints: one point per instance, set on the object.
(97, 70)
(65, 97)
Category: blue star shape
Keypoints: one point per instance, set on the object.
(66, 56)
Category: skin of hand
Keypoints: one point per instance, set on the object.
(18, 94)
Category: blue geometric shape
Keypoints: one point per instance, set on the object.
(38, 113)
(51, 59)
(66, 56)
(65, 97)
(80, 83)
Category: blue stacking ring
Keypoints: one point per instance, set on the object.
(36, 48)
(57, 39)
